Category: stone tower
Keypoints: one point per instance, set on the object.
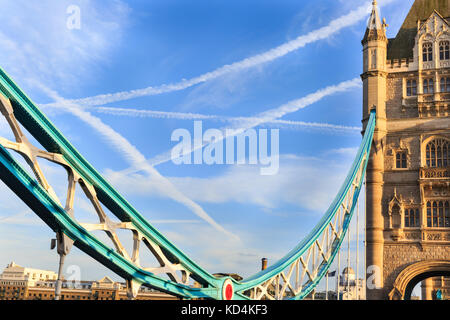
(407, 80)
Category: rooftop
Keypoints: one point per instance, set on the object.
(402, 45)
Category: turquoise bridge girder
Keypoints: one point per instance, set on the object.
(292, 277)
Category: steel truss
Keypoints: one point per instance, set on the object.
(292, 277)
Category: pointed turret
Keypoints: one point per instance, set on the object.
(374, 96)
(376, 30)
(374, 21)
(374, 65)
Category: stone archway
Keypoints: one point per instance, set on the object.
(414, 273)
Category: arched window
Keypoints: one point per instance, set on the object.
(374, 59)
(428, 86)
(401, 162)
(427, 52)
(445, 84)
(411, 218)
(396, 217)
(411, 88)
(444, 50)
(438, 214)
(437, 153)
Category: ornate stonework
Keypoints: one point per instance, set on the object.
(408, 176)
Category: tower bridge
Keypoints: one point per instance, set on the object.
(403, 159)
(408, 181)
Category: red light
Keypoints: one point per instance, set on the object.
(228, 292)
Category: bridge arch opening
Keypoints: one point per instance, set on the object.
(432, 288)
(415, 273)
(412, 284)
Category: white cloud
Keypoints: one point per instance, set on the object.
(351, 152)
(221, 92)
(26, 217)
(135, 158)
(37, 45)
(309, 183)
(218, 253)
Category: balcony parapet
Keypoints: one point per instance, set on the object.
(435, 173)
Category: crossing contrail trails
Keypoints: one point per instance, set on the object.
(264, 117)
(135, 158)
(142, 113)
(332, 28)
(138, 161)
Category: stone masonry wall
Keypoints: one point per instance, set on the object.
(398, 256)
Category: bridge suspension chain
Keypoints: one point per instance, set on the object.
(175, 271)
(292, 277)
(296, 275)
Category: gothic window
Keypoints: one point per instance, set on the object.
(445, 84)
(411, 88)
(428, 86)
(444, 50)
(400, 160)
(427, 52)
(374, 59)
(411, 218)
(396, 218)
(438, 153)
(438, 214)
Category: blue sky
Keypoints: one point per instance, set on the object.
(129, 45)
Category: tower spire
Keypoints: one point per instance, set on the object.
(374, 21)
(375, 28)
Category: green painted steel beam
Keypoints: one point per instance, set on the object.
(37, 198)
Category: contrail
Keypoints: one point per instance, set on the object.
(135, 158)
(174, 221)
(317, 125)
(333, 27)
(13, 216)
(141, 113)
(264, 117)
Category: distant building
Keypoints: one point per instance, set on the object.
(346, 284)
(19, 283)
(349, 287)
(322, 295)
